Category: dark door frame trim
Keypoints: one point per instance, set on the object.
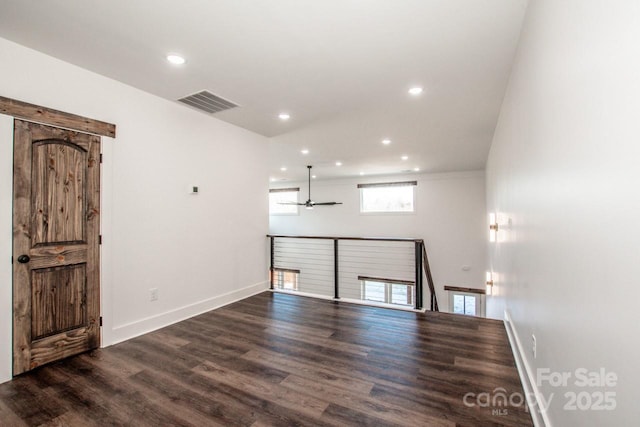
(48, 116)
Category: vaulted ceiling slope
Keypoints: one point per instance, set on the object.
(340, 68)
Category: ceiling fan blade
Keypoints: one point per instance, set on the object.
(309, 204)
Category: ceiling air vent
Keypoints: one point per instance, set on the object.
(208, 102)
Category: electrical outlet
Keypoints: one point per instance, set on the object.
(153, 294)
(534, 348)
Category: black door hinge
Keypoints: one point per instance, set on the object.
(100, 157)
(100, 320)
(100, 239)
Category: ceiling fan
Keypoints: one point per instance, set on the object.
(309, 204)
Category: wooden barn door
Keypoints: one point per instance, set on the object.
(56, 203)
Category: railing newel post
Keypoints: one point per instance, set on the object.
(336, 290)
(418, 290)
(271, 265)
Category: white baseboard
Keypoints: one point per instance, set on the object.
(149, 324)
(535, 399)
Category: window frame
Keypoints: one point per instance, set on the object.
(413, 184)
(285, 190)
(388, 290)
(277, 277)
(480, 302)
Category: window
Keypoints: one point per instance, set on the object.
(387, 197)
(283, 195)
(285, 279)
(388, 291)
(464, 304)
(466, 301)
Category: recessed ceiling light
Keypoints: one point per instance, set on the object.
(386, 141)
(361, 173)
(283, 169)
(304, 151)
(338, 163)
(313, 176)
(284, 116)
(416, 169)
(415, 90)
(272, 179)
(176, 59)
(405, 157)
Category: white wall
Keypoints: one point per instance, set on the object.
(450, 212)
(564, 168)
(199, 251)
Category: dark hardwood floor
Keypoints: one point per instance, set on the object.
(283, 360)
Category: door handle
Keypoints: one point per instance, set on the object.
(23, 259)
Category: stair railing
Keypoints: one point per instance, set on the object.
(344, 262)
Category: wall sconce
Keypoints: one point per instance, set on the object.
(493, 227)
(489, 283)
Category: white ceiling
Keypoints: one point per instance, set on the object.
(341, 68)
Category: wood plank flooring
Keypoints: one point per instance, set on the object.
(282, 360)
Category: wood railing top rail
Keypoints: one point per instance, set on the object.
(381, 239)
